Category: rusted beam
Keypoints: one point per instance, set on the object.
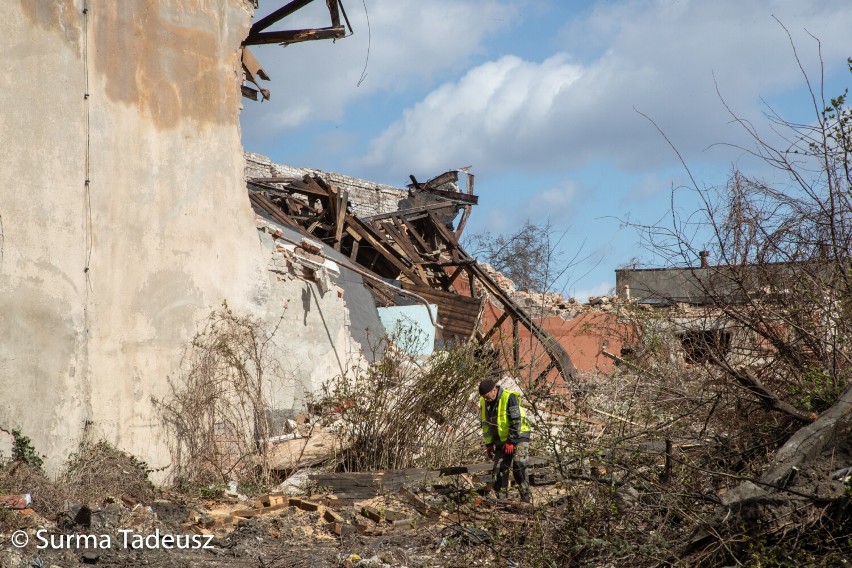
(295, 36)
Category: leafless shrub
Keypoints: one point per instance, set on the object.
(397, 414)
(96, 472)
(218, 413)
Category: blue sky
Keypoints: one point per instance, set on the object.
(541, 98)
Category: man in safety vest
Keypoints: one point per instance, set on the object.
(506, 433)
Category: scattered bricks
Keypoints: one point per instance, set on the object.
(340, 292)
(392, 516)
(345, 529)
(246, 513)
(15, 501)
(224, 522)
(372, 514)
(332, 516)
(311, 246)
(334, 502)
(361, 523)
(304, 504)
(275, 499)
(128, 500)
(274, 508)
(403, 522)
(26, 511)
(199, 530)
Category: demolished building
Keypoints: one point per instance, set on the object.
(125, 221)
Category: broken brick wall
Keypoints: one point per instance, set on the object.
(365, 197)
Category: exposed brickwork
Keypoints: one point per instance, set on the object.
(367, 197)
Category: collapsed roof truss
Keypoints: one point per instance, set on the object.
(418, 247)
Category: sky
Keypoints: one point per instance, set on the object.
(568, 111)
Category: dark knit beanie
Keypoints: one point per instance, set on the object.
(486, 386)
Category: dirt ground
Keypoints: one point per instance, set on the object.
(336, 534)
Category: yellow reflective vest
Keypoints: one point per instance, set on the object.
(502, 417)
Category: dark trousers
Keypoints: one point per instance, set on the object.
(518, 462)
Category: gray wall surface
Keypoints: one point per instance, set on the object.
(102, 283)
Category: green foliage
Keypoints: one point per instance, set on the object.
(23, 451)
(818, 389)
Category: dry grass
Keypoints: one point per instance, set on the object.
(97, 471)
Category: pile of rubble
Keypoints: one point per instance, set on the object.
(543, 304)
(411, 525)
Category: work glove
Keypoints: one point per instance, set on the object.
(508, 449)
(489, 449)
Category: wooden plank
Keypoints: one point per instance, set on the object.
(380, 247)
(445, 233)
(343, 199)
(495, 327)
(408, 213)
(287, 37)
(390, 228)
(263, 203)
(486, 467)
(458, 314)
(278, 15)
(455, 274)
(411, 230)
(419, 504)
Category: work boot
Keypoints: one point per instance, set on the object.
(526, 498)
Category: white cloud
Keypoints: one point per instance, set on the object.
(409, 42)
(556, 204)
(660, 58)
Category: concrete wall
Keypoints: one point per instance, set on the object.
(103, 282)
